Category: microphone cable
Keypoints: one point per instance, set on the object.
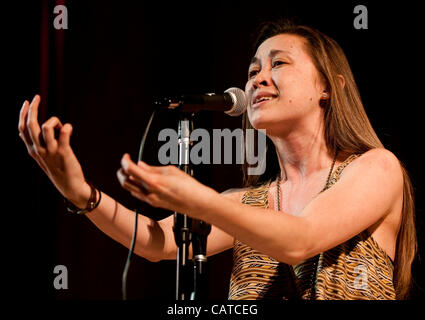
(136, 214)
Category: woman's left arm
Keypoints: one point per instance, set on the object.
(364, 194)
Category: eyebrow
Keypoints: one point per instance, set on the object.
(272, 54)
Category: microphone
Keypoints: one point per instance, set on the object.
(233, 102)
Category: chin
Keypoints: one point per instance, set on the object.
(263, 124)
(272, 125)
(265, 116)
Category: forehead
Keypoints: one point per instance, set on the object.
(289, 43)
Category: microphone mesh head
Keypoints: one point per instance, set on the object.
(240, 102)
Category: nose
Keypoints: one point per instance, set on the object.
(262, 79)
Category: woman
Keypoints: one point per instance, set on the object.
(331, 218)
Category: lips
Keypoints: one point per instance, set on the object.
(262, 98)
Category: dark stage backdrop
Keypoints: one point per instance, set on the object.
(101, 75)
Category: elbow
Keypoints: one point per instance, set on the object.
(301, 254)
(153, 259)
(301, 247)
(291, 256)
(149, 257)
(294, 258)
(163, 254)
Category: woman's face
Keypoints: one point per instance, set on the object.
(284, 87)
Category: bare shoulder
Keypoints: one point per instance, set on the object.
(380, 159)
(235, 193)
(387, 169)
(382, 168)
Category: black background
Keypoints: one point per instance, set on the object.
(119, 55)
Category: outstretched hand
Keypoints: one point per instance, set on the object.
(166, 187)
(54, 155)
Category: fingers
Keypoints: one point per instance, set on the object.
(142, 173)
(153, 185)
(131, 165)
(143, 177)
(65, 135)
(48, 130)
(135, 188)
(22, 127)
(32, 135)
(129, 183)
(32, 122)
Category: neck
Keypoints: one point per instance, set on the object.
(302, 154)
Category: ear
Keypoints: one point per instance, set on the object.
(341, 80)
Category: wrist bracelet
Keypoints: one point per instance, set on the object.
(91, 203)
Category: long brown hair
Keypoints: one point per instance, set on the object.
(347, 128)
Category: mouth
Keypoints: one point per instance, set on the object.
(259, 101)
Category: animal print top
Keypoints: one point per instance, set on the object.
(358, 269)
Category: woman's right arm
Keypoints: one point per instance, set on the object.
(155, 239)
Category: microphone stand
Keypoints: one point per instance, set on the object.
(187, 230)
(200, 231)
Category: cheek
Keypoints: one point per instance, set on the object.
(247, 86)
(249, 113)
(295, 90)
(253, 118)
(248, 90)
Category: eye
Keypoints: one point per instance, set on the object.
(252, 73)
(277, 63)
